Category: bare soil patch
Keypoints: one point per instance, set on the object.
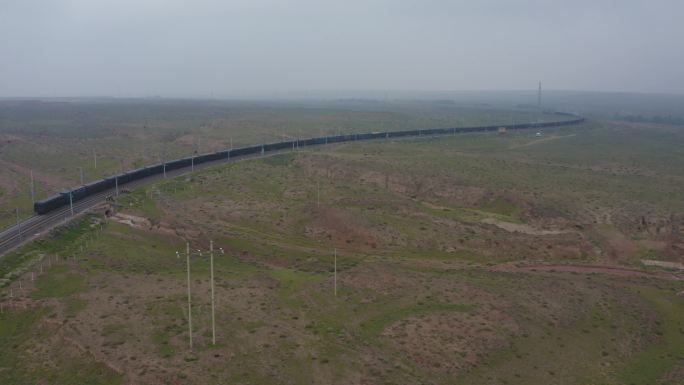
(590, 269)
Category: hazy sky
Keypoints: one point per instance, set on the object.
(248, 47)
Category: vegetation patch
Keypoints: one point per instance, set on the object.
(58, 282)
(374, 326)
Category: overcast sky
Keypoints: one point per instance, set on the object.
(248, 47)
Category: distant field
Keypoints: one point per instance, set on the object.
(436, 242)
(56, 138)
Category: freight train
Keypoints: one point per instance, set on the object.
(69, 196)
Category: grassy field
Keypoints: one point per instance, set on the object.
(438, 244)
(56, 138)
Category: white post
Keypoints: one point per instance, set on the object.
(33, 191)
(335, 276)
(318, 193)
(192, 163)
(18, 224)
(213, 318)
(71, 203)
(231, 142)
(187, 254)
(33, 276)
(164, 170)
(116, 183)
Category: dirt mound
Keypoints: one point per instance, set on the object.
(143, 223)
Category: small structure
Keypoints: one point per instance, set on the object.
(502, 131)
(538, 133)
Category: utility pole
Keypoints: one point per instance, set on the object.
(18, 223)
(33, 191)
(318, 192)
(81, 170)
(192, 163)
(164, 170)
(213, 318)
(335, 274)
(71, 203)
(95, 158)
(116, 184)
(187, 255)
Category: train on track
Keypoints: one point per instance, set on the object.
(70, 196)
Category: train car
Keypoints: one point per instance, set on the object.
(336, 139)
(178, 163)
(401, 134)
(242, 151)
(279, 146)
(46, 205)
(208, 157)
(77, 193)
(312, 141)
(63, 198)
(138, 173)
(156, 169)
(98, 186)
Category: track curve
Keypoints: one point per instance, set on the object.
(38, 225)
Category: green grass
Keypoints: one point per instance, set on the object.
(121, 248)
(17, 328)
(279, 160)
(278, 319)
(373, 327)
(169, 321)
(162, 340)
(140, 202)
(502, 207)
(58, 282)
(74, 305)
(290, 283)
(64, 240)
(650, 365)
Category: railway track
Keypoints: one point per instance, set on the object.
(38, 225)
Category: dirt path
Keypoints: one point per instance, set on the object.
(590, 269)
